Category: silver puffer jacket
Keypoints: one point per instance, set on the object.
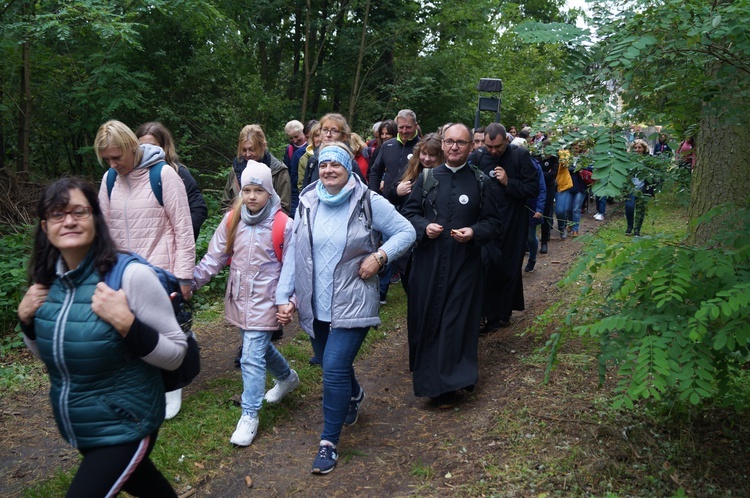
(355, 301)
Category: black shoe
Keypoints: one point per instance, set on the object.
(314, 360)
(629, 231)
(543, 250)
(277, 334)
(489, 327)
(637, 233)
(446, 401)
(238, 359)
(530, 266)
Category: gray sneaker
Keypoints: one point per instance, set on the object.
(353, 414)
(282, 387)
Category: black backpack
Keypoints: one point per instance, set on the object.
(191, 364)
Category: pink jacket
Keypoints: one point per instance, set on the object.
(254, 271)
(162, 235)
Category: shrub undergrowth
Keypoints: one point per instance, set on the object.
(674, 319)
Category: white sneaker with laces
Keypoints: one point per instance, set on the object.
(282, 387)
(599, 217)
(174, 403)
(245, 432)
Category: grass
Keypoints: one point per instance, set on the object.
(422, 471)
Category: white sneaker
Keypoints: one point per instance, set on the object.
(245, 432)
(599, 217)
(282, 387)
(174, 403)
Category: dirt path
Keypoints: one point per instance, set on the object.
(397, 431)
(397, 434)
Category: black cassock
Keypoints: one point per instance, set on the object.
(504, 256)
(445, 291)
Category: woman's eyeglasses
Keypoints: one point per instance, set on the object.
(79, 213)
(330, 131)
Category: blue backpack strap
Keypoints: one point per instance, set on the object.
(154, 176)
(111, 177)
(113, 278)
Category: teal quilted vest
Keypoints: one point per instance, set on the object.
(101, 393)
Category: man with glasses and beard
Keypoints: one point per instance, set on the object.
(453, 210)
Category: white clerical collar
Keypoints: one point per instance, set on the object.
(456, 168)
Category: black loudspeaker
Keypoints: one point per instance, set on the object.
(492, 85)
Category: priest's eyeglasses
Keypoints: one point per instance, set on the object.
(450, 143)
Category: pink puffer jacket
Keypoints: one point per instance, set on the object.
(254, 272)
(162, 235)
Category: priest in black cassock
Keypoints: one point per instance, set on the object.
(518, 181)
(452, 221)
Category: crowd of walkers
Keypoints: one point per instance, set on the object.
(322, 233)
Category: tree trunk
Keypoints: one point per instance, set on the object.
(2, 133)
(306, 87)
(355, 86)
(297, 52)
(24, 111)
(721, 173)
(263, 56)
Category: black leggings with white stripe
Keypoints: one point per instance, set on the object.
(106, 471)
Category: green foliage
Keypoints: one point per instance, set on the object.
(675, 321)
(205, 69)
(614, 166)
(15, 250)
(661, 61)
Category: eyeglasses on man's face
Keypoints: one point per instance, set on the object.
(450, 143)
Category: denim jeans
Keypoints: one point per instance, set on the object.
(575, 209)
(533, 243)
(258, 354)
(635, 211)
(549, 206)
(562, 207)
(601, 205)
(337, 348)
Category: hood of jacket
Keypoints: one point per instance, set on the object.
(152, 154)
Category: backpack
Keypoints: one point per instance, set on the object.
(587, 177)
(429, 182)
(154, 176)
(191, 364)
(365, 210)
(277, 232)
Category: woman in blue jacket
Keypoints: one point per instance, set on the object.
(103, 349)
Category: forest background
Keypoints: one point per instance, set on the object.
(205, 69)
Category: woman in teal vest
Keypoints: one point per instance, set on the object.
(103, 349)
